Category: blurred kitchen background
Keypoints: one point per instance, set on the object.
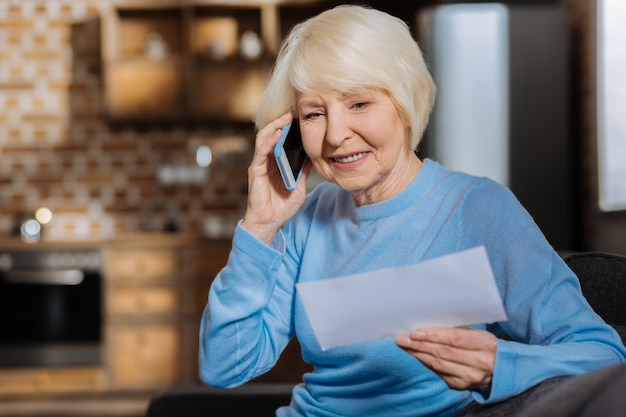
(106, 106)
(125, 136)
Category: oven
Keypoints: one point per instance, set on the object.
(50, 307)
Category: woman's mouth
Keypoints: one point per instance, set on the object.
(351, 158)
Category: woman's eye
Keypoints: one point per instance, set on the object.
(360, 105)
(312, 115)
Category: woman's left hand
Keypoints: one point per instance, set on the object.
(463, 357)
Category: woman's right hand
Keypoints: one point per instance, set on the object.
(270, 204)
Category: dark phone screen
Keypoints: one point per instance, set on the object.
(293, 149)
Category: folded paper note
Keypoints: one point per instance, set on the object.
(452, 290)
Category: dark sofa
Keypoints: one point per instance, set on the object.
(603, 281)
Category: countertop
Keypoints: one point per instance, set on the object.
(143, 239)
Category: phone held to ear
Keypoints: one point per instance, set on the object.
(290, 155)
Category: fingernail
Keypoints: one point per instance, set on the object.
(403, 340)
(418, 334)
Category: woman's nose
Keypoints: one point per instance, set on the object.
(337, 130)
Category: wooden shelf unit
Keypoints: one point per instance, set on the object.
(156, 292)
(198, 69)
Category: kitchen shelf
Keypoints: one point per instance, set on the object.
(137, 29)
(142, 89)
(189, 60)
(228, 90)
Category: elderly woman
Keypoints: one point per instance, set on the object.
(355, 81)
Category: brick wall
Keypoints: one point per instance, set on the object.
(58, 150)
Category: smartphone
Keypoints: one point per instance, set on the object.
(290, 155)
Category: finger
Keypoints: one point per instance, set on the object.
(478, 359)
(464, 338)
(265, 141)
(458, 376)
(268, 136)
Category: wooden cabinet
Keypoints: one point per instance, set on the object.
(187, 60)
(149, 264)
(146, 90)
(232, 50)
(192, 60)
(155, 293)
(144, 62)
(137, 302)
(144, 355)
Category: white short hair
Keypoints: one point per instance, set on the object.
(346, 48)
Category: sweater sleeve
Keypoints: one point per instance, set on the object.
(553, 329)
(247, 321)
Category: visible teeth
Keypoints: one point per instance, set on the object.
(350, 158)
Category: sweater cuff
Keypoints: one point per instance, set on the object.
(248, 243)
(503, 381)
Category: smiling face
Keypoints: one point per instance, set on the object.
(358, 141)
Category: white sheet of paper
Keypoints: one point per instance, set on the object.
(452, 290)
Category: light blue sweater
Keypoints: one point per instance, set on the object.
(253, 309)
